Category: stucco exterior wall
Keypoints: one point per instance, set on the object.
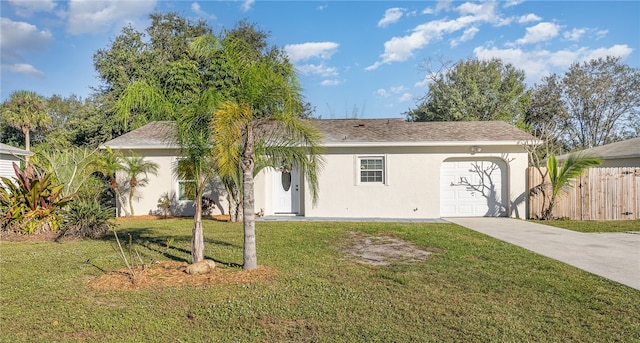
(166, 182)
(412, 182)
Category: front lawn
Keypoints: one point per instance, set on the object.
(595, 226)
(472, 288)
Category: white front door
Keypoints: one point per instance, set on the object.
(286, 191)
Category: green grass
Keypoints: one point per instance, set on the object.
(473, 289)
(595, 226)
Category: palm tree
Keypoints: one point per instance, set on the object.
(197, 163)
(193, 133)
(135, 166)
(561, 176)
(109, 163)
(262, 120)
(25, 110)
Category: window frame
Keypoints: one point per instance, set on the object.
(180, 194)
(358, 166)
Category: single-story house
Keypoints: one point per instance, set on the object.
(374, 168)
(8, 155)
(619, 154)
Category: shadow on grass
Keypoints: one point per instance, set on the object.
(147, 237)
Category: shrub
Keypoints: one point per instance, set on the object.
(31, 203)
(87, 218)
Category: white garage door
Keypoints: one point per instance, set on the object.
(472, 188)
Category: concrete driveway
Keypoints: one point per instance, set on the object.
(615, 256)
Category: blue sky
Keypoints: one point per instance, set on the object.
(363, 58)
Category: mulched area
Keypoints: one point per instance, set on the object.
(172, 274)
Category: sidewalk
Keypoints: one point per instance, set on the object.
(615, 256)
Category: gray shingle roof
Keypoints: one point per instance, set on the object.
(157, 134)
(10, 150)
(337, 132)
(629, 148)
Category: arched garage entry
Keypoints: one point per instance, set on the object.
(473, 188)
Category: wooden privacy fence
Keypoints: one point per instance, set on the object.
(599, 194)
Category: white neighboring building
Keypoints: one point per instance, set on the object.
(374, 168)
(8, 155)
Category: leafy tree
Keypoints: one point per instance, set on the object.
(25, 110)
(561, 177)
(593, 103)
(474, 90)
(262, 119)
(137, 62)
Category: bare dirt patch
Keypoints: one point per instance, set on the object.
(382, 250)
(171, 274)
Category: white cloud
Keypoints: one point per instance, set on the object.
(18, 36)
(399, 49)
(304, 51)
(510, 3)
(428, 10)
(330, 82)
(618, 50)
(382, 92)
(313, 69)
(574, 35)
(540, 62)
(100, 16)
(468, 34)
(528, 18)
(443, 5)
(246, 5)
(26, 8)
(540, 32)
(397, 90)
(391, 16)
(195, 7)
(23, 68)
(406, 97)
(601, 33)
(322, 7)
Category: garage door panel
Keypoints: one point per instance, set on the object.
(472, 188)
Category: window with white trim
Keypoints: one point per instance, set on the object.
(186, 190)
(371, 169)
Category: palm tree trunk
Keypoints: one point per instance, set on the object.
(27, 143)
(249, 224)
(119, 198)
(131, 190)
(197, 236)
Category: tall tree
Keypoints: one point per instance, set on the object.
(474, 90)
(155, 60)
(25, 110)
(593, 103)
(262, 119)
(186, 90)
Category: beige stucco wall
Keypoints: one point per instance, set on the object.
(412, 188)
(146, 199)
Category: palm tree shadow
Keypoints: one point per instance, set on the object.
(147, 238)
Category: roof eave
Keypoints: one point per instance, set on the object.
(426, 143)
